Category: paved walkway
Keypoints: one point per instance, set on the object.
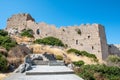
(46, 72)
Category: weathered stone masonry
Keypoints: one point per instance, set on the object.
(87, 37)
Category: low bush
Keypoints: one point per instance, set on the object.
(82, 53)
(27, 33)
(88, 72)
(3, 63)
(114, 58)
(78, 63)
(7, 42)
(3, 32)
(78, 31)
(50, 41)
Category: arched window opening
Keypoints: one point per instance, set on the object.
(38, 31)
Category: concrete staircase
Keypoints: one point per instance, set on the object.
(49, 70)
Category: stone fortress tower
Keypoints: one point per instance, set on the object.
(90, 38)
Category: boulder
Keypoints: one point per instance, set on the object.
(23, 67)
(49, 56)
(16, 55)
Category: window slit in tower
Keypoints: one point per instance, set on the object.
(76, 42)
(92, 47)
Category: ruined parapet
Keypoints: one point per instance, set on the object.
(18, 21)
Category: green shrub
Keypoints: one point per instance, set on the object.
(82, 53)
(3, 63)
(50, 41)
(27, 33)
(114, 58)
(78, 63)
(88, 72)
(73, 51)
(3, 33)
(7, 42)
(87, 76)
(59, 57)
(78, 31)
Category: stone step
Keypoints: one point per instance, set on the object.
(38, 62)
(48, 73)
(51, 63)
(58, 63)
(46, 69)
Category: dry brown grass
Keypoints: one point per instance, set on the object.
(4, 75)
(15, 61)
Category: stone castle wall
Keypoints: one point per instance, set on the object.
(90, 38)
(114, 49)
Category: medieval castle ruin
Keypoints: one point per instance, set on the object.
(90, 38)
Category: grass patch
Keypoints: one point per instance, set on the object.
(82, 53)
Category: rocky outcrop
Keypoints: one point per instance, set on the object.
(23, 67)
(16, 55)
(19, 51)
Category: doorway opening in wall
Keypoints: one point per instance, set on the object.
(38, 31)
(76, 42)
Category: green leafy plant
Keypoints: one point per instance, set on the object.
(88, 72)
(78, 63)
(82, 53)
(50, 41)
(3, 32)
(3, 63)
(7, 42)
(27, 33)
(114, 58)
(78, 31)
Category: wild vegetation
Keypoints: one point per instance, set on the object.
(79, 63)
(6, 41)
(78, 31)
(82, 53)
(6, 44)
(97, 72)
(50, 41)
(27, 33)
(3, 63)
(114, 58)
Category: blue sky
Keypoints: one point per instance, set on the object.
(68, 12)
